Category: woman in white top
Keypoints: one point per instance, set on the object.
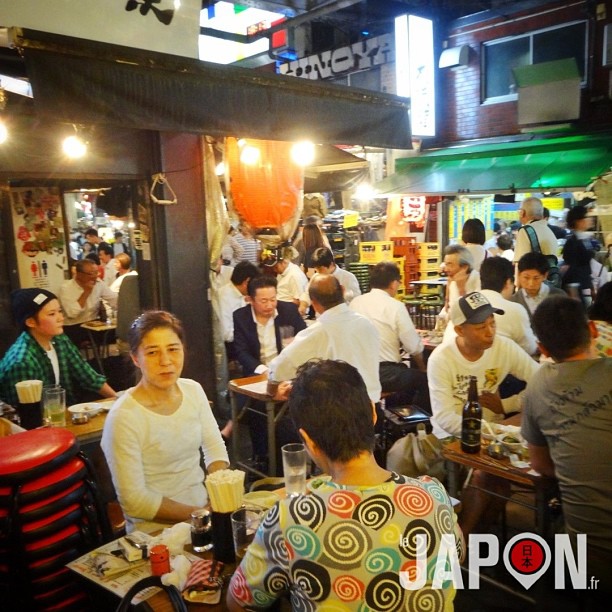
(153, 433)
(473, 237)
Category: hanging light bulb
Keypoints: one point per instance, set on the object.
(3, 132)
(74, 147)
(249, 155)
(302, 153)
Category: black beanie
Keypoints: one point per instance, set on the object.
(25, 303)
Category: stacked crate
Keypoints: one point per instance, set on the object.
(429, 260)
(375, 252)
(400, 262)
(362, 273)
(406, 247)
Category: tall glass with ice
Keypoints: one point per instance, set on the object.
(295, 465)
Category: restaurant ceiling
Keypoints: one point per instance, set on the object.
(88, 83)
(543, 165)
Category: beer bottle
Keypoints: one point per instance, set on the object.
(472, 415)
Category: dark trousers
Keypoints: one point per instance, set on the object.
(409, 385)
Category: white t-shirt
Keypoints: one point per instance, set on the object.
(152, 456)
(546, 238)
(448, 375)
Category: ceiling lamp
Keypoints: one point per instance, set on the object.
(302, 153)
(74, 147)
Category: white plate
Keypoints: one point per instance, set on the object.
(106, 405)
(89, 408)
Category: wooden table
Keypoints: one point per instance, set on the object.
(98, 331)
(543, 487)
(272, 415)
(92, 430)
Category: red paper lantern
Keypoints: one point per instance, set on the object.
(266, 190)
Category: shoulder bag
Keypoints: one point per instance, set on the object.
(176, 601)
(417, 454)
(554, 274)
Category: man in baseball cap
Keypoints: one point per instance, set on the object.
(43, 352)
(472, 308)
(476, 351)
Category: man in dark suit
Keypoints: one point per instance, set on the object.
(260, 330)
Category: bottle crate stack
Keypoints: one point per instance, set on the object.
(362, 273)
(406, 247)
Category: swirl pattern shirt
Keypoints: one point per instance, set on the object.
(343, 548)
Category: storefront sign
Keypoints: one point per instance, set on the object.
(414, 70)
(361, 55)
(165, 26)
(40, 244)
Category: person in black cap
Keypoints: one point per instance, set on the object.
(43, 352)
(476, 351)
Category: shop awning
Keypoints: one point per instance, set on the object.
(558, 164)
(334, 170)
(89, 83)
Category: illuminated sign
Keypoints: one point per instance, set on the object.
(414, 71)
(361, 55)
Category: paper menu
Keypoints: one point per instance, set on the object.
(118, 584)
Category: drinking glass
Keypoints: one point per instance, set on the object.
(287, 334)
(295, 463)
(245, 522)
(54, 406)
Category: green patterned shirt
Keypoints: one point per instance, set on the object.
(27, 360)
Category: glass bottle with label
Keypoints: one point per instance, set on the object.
(472, 416)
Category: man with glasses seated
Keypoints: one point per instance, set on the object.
(81, 297)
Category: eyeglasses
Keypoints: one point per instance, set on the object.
(92, 274)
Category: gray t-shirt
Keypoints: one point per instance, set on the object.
(568, 407)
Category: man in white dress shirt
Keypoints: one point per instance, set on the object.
(396, 330)
(291, 280)
(105, 253)
(232, 296)
(338, 333)
(323, 262)
(80, 298)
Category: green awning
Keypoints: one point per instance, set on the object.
(561, 164)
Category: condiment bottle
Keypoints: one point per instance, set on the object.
(159, 556)
(471, 421)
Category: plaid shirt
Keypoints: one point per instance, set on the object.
(27, 360)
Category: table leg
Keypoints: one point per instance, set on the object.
(236, 416)
(270, 417)
(96, 351)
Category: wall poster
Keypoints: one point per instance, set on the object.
(40, 243)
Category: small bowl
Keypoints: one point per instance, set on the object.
(496, 450)
(80, 418)
(515, 448)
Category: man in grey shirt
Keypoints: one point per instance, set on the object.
(567, 422)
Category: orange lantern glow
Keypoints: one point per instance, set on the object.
(265, 187)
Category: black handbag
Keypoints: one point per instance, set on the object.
(176, 600)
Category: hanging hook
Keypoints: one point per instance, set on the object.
(160, 179)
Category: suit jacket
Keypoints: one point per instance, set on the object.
(246, 342)
(519, 299)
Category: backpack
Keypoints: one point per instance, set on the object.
(554, 273)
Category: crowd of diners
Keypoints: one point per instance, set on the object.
(533, 350)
